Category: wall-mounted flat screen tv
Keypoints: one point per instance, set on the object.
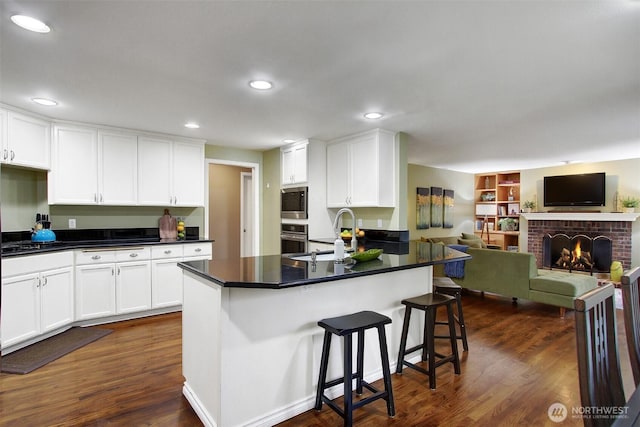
(575, 190)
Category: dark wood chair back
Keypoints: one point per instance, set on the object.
(631, 307)
(598, 362)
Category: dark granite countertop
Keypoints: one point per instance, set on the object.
(18, 243)
(281, 271)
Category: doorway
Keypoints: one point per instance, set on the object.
(231, 217)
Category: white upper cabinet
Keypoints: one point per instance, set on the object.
(293, 161)
(154, 172)
(361, 170)
(73, 178)
(117, 168)
(92, 167)
(188, 174)
(27, 141)
(170, 173)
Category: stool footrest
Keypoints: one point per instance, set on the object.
(377, 394)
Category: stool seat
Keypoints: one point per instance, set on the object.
(345, 326)
(444, 285)
(428, 300)
(352, 322)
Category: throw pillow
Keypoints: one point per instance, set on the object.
(467, 236)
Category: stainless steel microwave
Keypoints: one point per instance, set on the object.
(294, 203)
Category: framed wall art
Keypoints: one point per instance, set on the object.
(436, 206)
(447, 212)
(422, 208)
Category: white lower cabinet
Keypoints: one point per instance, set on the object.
(105, 288)
(35, 302)
(167, 276)
(48, 292)
(95, 291)
(167, 283)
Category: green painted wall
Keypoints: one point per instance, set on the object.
(271, 202)
(24, 192)
(462, 185)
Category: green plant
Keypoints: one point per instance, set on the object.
(508, 224)
(529, 204)
(630, 202)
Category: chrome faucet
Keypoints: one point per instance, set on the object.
(354, 240)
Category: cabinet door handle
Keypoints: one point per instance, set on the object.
(38, 282)
(13, 154)
(100, 197)
(167, 252)
(44, 281)
(96, 257)
(118, 271)
(95, 197)
(113, 272)
(198, 250)
(133, 255)
(5, 155)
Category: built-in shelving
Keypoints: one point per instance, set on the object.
(497, 197)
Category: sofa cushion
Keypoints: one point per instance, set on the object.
(451, 240)
(562, 283)
(472, 243)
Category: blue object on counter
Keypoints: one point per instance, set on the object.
(44, 235)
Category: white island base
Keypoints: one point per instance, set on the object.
(251, 356)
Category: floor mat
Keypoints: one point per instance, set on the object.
(39, 354)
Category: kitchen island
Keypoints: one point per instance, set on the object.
(251, 343)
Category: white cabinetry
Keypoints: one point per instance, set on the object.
(73, 178)
(170, 173)
(361, 170)
(27, 141)
(91, 167)
(112, 282)
(165, 273)
(37, 296)
(293, 160)
(117, 168)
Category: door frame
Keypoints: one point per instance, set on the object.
(244, 189)
(255, 173)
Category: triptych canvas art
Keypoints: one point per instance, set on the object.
(434, 208)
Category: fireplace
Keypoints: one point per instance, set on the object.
(577, 253)
(618, 232)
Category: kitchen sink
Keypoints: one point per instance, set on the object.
(319, 257)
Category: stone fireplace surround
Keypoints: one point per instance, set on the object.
(616, 226)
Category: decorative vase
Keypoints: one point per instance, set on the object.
(526, 210)
(616, 271)
(628, 210)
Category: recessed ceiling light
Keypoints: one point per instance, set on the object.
(44, 101)
(260, 84)
(373, 115)
(31, 24)
(288, 141)
(192, 125)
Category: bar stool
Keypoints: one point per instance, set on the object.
(444, 285)
(345, 326)
(429, 303)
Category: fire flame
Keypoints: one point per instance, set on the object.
(577, 252)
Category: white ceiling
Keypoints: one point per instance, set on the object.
(477, 85)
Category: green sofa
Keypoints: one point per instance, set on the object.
(515, 274)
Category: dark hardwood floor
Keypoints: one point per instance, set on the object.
(521, 360)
